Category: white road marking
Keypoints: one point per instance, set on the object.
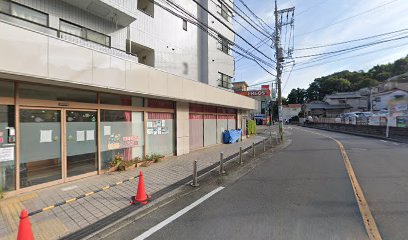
(69, 188)
(383, 141)
(177, 215)
(396, 144)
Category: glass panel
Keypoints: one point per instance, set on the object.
(81, 142)
(71, 28)
(6, 89)
(29, 14)
(7, 148)
(56, 93)
(97, 37)
(115, 99)
(40, 146)
(122, 133)
(137, 102)
(160, 133)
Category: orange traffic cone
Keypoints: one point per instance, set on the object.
(24, 228)
(141, 196)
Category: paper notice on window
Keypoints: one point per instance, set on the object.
(149, 124)
(150, 131)
(6, 154)
(163, 123)
(80, 136)
(106, 130)
(90, 135)
(45, 136)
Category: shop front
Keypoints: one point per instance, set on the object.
(51, 135)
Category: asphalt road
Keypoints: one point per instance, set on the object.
(301, 192)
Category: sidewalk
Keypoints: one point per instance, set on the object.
(73, 216)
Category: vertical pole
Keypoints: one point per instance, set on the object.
(195, 182)
(278, 71)
(222, 163)
(240, 156)
(253, 149)
(264, 144)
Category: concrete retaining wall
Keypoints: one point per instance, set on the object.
(399, 134)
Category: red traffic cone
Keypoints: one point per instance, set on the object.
(24, 228)
(141, 196)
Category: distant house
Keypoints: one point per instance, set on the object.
(353, 99)
(291, 110)
(382, 99)
(324, 109)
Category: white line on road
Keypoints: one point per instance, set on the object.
(177, 215)
(383, 141)
(396, 144)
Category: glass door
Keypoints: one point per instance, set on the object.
(81, 144)
(40, 146)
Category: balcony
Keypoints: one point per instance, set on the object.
(89, 39)
(108, 10)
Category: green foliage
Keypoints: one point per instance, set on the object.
(116, 161)
(297, 96)
(154, 157)
(348, 81)
(251, 127)
(1, 192)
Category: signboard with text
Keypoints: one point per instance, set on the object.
(256, 93)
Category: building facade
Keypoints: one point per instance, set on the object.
(82, 81)
(291, 110)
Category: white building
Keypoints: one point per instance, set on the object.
(291, 110)
(381, 100)
(82, 81)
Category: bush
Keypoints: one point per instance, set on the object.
(251, 127)
(1, 192)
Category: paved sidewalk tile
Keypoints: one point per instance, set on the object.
(73, 216)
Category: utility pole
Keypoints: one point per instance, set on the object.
(279, 58)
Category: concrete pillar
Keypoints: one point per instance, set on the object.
(183, 128)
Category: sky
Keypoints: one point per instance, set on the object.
(322, 22)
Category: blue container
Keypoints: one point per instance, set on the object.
(231, 136)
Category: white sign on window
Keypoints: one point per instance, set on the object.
(45, 136)
(6, 154)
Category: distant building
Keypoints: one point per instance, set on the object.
(262, 96)
(381, 100)
(291, 110)
(324, 109)
(353, 99)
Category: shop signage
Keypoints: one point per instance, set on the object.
(256, 93)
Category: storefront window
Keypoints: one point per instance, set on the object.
(122, 100)
(160, 133)
(6, 89)
(56, 93)
(7, 148)
(40, 146)
(122, 133)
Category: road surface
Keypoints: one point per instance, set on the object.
(301, 192)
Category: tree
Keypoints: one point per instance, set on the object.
(297, 96)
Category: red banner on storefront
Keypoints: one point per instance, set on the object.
(255, 93)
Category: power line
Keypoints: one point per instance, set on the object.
(229, 28)
(205, 28)
(264, 33)
(313, 6)
(350, 41)
(260, 20)
(348, 18)
(357, 47)
(353, 56)
(259, 44)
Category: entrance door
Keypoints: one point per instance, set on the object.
(40, 146)
(81, 144)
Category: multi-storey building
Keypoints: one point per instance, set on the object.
(82, 81)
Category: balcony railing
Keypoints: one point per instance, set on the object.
(21, 22)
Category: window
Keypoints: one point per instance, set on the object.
(84, 33)
(263, 106)
(224, 44)
(225, 12)
(42, 92)
(146, 6)
(224, 80)
(184, 25)
(21, 11)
